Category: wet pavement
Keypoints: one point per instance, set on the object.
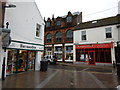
(65, 76)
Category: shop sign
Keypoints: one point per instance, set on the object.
(25, 46)
(104, 45)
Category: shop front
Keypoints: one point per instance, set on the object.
(93, 54)
(69, 54)
(22, 57)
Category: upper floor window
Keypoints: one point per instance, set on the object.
(58, 37)
(38, 27)
(58, 23)
(69, 19)
(48, 24)
(49, 37)
(69, 35)
(83, 35)
(108, 32)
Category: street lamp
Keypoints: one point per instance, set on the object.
(10, 6)
(6, 40)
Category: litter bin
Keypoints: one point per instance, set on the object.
(43, 65)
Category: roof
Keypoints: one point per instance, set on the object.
(98, 23)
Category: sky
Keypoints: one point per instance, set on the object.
(91, 9)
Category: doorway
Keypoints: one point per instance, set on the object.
(91, 58)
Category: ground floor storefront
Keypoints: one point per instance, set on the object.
(20, 61)
(23, 56)
(93, 54)
(64, 52)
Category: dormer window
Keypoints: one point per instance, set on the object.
(58, 23)
(69, 19)
(48, 24)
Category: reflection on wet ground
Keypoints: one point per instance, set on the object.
(64, 76)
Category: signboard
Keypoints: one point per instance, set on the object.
(103, 45)
(25, 46)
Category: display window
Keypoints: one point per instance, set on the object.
(31, 60)
(92, 56)
(11, 62)
(69, 53)
(20, 61)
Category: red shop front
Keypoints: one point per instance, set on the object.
(94, 53)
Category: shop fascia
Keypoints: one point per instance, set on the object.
(25, 46)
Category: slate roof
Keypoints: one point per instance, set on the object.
(100, 22)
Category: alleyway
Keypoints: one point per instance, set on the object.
(62, 76)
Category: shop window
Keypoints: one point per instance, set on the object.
(31, 60)
(58, 23)
(58, 37)
(69, 35)
(69, 52)
(11, 62)
(69, 19)
(83, 35)
(108, 57)
(49, 38)
(108, 32)
(38, 27)
(48, 24)
(58, 48)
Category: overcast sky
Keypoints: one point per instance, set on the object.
(91, 9)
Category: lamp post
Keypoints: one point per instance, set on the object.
(6, 42)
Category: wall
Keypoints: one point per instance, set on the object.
(22, 22)
(23, 19)
(95, 35)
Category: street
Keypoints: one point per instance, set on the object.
(65, 76)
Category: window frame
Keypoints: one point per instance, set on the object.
(58, 23)
(83, 35)
(108, 32)
(56, 37)
(49, 40)
(38, 30)
(68, 37)
(69, 19)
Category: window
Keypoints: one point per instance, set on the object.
(58, 37)
(69, 19)
(49, 37)
(83, 35)
(108, 32)
(69, 35)
(48, 24)
(58, 23)
(38, 30)
(59, 48)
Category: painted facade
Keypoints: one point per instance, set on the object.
(95, 41)
(27, 37)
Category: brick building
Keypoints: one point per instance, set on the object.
(59, 36)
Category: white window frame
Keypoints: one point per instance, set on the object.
(38, 29)
(83, 33)
(108, 30)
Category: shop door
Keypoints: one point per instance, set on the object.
(92, 58)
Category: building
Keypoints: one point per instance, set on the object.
(27, 37)
(95, 41)
(59, 36)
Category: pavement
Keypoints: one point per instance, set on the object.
(65, 76)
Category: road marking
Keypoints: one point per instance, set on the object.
(97, 80)
(42, 84)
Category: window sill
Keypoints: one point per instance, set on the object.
(38, 38)
(109, 39)
(83, 40)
